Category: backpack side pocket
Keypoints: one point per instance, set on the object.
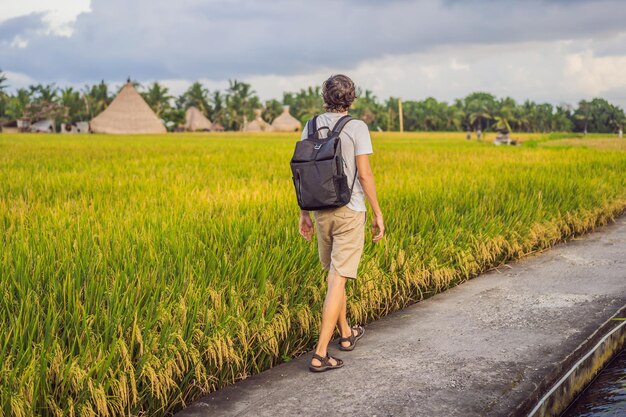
(342, 189)
(296, 184)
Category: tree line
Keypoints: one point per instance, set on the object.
(236, 104)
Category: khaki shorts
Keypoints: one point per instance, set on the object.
(340, 235)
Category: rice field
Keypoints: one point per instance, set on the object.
(140, 272)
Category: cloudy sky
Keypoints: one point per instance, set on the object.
(546, 50)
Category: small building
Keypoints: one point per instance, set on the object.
(216, 127)
(196, 121)
(258, 124)
(128, 113)
(75, 128)
(286, 122)
(9, 127)
(82, 127)
(43, 126)
(23, 124)
(503, 138)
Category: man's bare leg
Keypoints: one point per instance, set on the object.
(333, 304)
(344, 326)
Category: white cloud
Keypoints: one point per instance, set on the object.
(554, 72)
(457, 66)
(543, 50)
(58, 15)
(18, 42)
(236, 38)
(596, 75)
(17, 80)
(178, 86)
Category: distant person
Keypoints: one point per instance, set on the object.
(468, 135)
(620, 133)
(340, 231)
(479, 134)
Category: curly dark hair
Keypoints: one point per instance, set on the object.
(338, 92)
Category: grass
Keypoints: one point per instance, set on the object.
(140, 272)
(595, 142)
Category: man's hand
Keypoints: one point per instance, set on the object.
(306, 225)
(378, 228)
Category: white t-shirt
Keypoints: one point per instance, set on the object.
(355, 140)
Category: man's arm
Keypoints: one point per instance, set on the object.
(306, 225)
(366, 178)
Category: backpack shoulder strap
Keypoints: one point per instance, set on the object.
(312, 126)
(341, 123)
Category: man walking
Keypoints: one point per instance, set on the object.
(340, 231)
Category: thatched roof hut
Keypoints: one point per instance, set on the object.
(286, 122)
(128, 113)
(195, 120)
(216, 127)
(258, 124)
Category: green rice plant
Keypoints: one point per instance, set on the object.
(138, 273)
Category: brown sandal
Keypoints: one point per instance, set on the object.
(352, 338)
(326, 365)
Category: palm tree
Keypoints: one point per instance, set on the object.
(158, 98)
(479, 107)
(272, 109)
(218, 108)
(96, 98)
(505, 117)
(367, 108)
(478, 116)
(241, 101)
(73, 105)
(44, 103)
(17, 104)
(584, 114)
(615, 118)
(3, 96)
(460, 110)
(3, 79)
(520, 119)
(543, 116)
(432, 113)
(561, 121)
(391, 118)
(504, 120)
(197, 96)
(307, 103)
(452, 117)
(528, 109)
(48, 93)
(413, 115)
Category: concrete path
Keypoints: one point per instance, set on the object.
(478, 349)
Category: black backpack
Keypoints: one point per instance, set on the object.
(317, 166)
